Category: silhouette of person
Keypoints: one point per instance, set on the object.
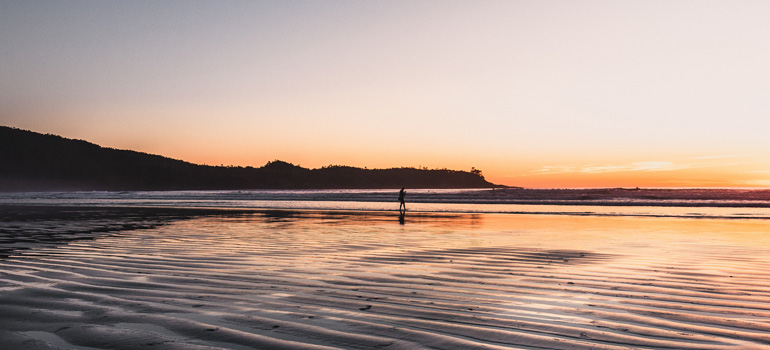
(401, 195)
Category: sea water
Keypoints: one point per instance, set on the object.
(418, 200)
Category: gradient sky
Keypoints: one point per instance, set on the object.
(534, 93)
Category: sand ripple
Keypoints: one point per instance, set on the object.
(362, 281)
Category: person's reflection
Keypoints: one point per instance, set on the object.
(402, 217)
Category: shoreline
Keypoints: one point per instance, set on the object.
(422, 209)
(357, 280)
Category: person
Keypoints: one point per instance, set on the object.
(401, 196)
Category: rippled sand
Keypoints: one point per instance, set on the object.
(313, 280)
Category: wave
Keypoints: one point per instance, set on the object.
(691, 203)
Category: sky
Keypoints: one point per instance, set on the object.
(533, 93)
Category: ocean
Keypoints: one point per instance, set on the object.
(612, 202)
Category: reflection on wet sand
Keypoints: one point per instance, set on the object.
(26, 227)
(325, 279)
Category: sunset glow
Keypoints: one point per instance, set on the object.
(533, 93)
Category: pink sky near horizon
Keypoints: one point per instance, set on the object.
(534, 93)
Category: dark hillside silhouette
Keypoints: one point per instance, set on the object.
(34, 161)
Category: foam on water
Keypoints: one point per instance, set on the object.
(423, 200)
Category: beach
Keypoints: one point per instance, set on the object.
(175, 278)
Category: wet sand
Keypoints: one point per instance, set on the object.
(361, 280)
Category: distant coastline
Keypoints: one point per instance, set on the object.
(33, 161)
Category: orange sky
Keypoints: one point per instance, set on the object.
(534, 93)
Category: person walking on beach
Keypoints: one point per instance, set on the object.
(401, 195)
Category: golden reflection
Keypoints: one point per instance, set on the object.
(516, 280)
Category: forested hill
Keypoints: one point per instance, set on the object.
(33, 161)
